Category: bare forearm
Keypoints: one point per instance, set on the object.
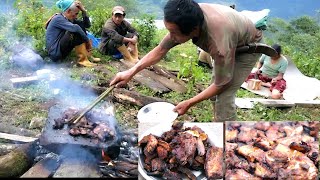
(279, 77)
(212, 90)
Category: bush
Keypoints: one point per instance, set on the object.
(146, 28)
(98, 17)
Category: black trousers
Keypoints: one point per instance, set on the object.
(69, 41)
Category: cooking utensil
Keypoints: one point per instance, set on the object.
(77, 117)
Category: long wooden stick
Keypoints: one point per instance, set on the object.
(88, 108)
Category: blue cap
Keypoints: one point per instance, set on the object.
(64, 4)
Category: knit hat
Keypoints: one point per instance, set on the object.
(64, 4)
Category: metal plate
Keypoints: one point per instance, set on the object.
(157, 112)
(213, 130)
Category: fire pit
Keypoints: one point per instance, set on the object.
(57, 139)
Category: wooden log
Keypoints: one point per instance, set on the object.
(164, 72)
(134, 98)
(81, 168)
(126, 167)
(23, 81)
(10, 129)
(143, 80)
(129, 97)
(6, 148)
(158, 78)
(18, 161)
(18, 138)
(42, 169)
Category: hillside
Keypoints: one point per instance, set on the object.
(284, 9)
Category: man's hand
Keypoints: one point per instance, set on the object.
(182, 107)
(121, 78)
(80, 6)
(274, 80)
(134, 40)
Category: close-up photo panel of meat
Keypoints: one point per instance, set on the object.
(272, 150)
(181, 150)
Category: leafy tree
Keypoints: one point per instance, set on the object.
(305, 24)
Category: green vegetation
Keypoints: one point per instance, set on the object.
(299, 37)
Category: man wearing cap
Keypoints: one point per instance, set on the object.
(119, 36)
(65, 32)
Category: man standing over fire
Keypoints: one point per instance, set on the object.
(65, 32)
(218, 30)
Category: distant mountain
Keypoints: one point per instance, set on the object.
(284, 9)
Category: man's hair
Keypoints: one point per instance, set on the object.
(277, 47)
(73, 7)
(186, 14)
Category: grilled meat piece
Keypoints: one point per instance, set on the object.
(237, 174)
(264, 143)
(196, 128)
(263, 126)
(158, 165)
(293, 130)
(299, 164)
(69, 113)
(233, 161)
(187, 172)
(169, 135)
(231, 146)
(152, 143)
(313, 154)
(198, 164)
(251, 153)
(162, 152)
(214, 163)
(177, 125)
(164, 144)
(302, 168)
(273, 133)
(264, 172)
(276, 159)
(149, 157)
(302, 147)
(58, 123)
(75, 131)
(231, 135)
(171, 175)
(184, 148)
(247, 134)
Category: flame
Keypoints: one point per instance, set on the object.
(105, 156)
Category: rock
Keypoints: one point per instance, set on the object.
(25, 57)
(36, 123)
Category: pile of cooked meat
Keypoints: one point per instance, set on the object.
(180, 150)
(272, 150)
(93, 125)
